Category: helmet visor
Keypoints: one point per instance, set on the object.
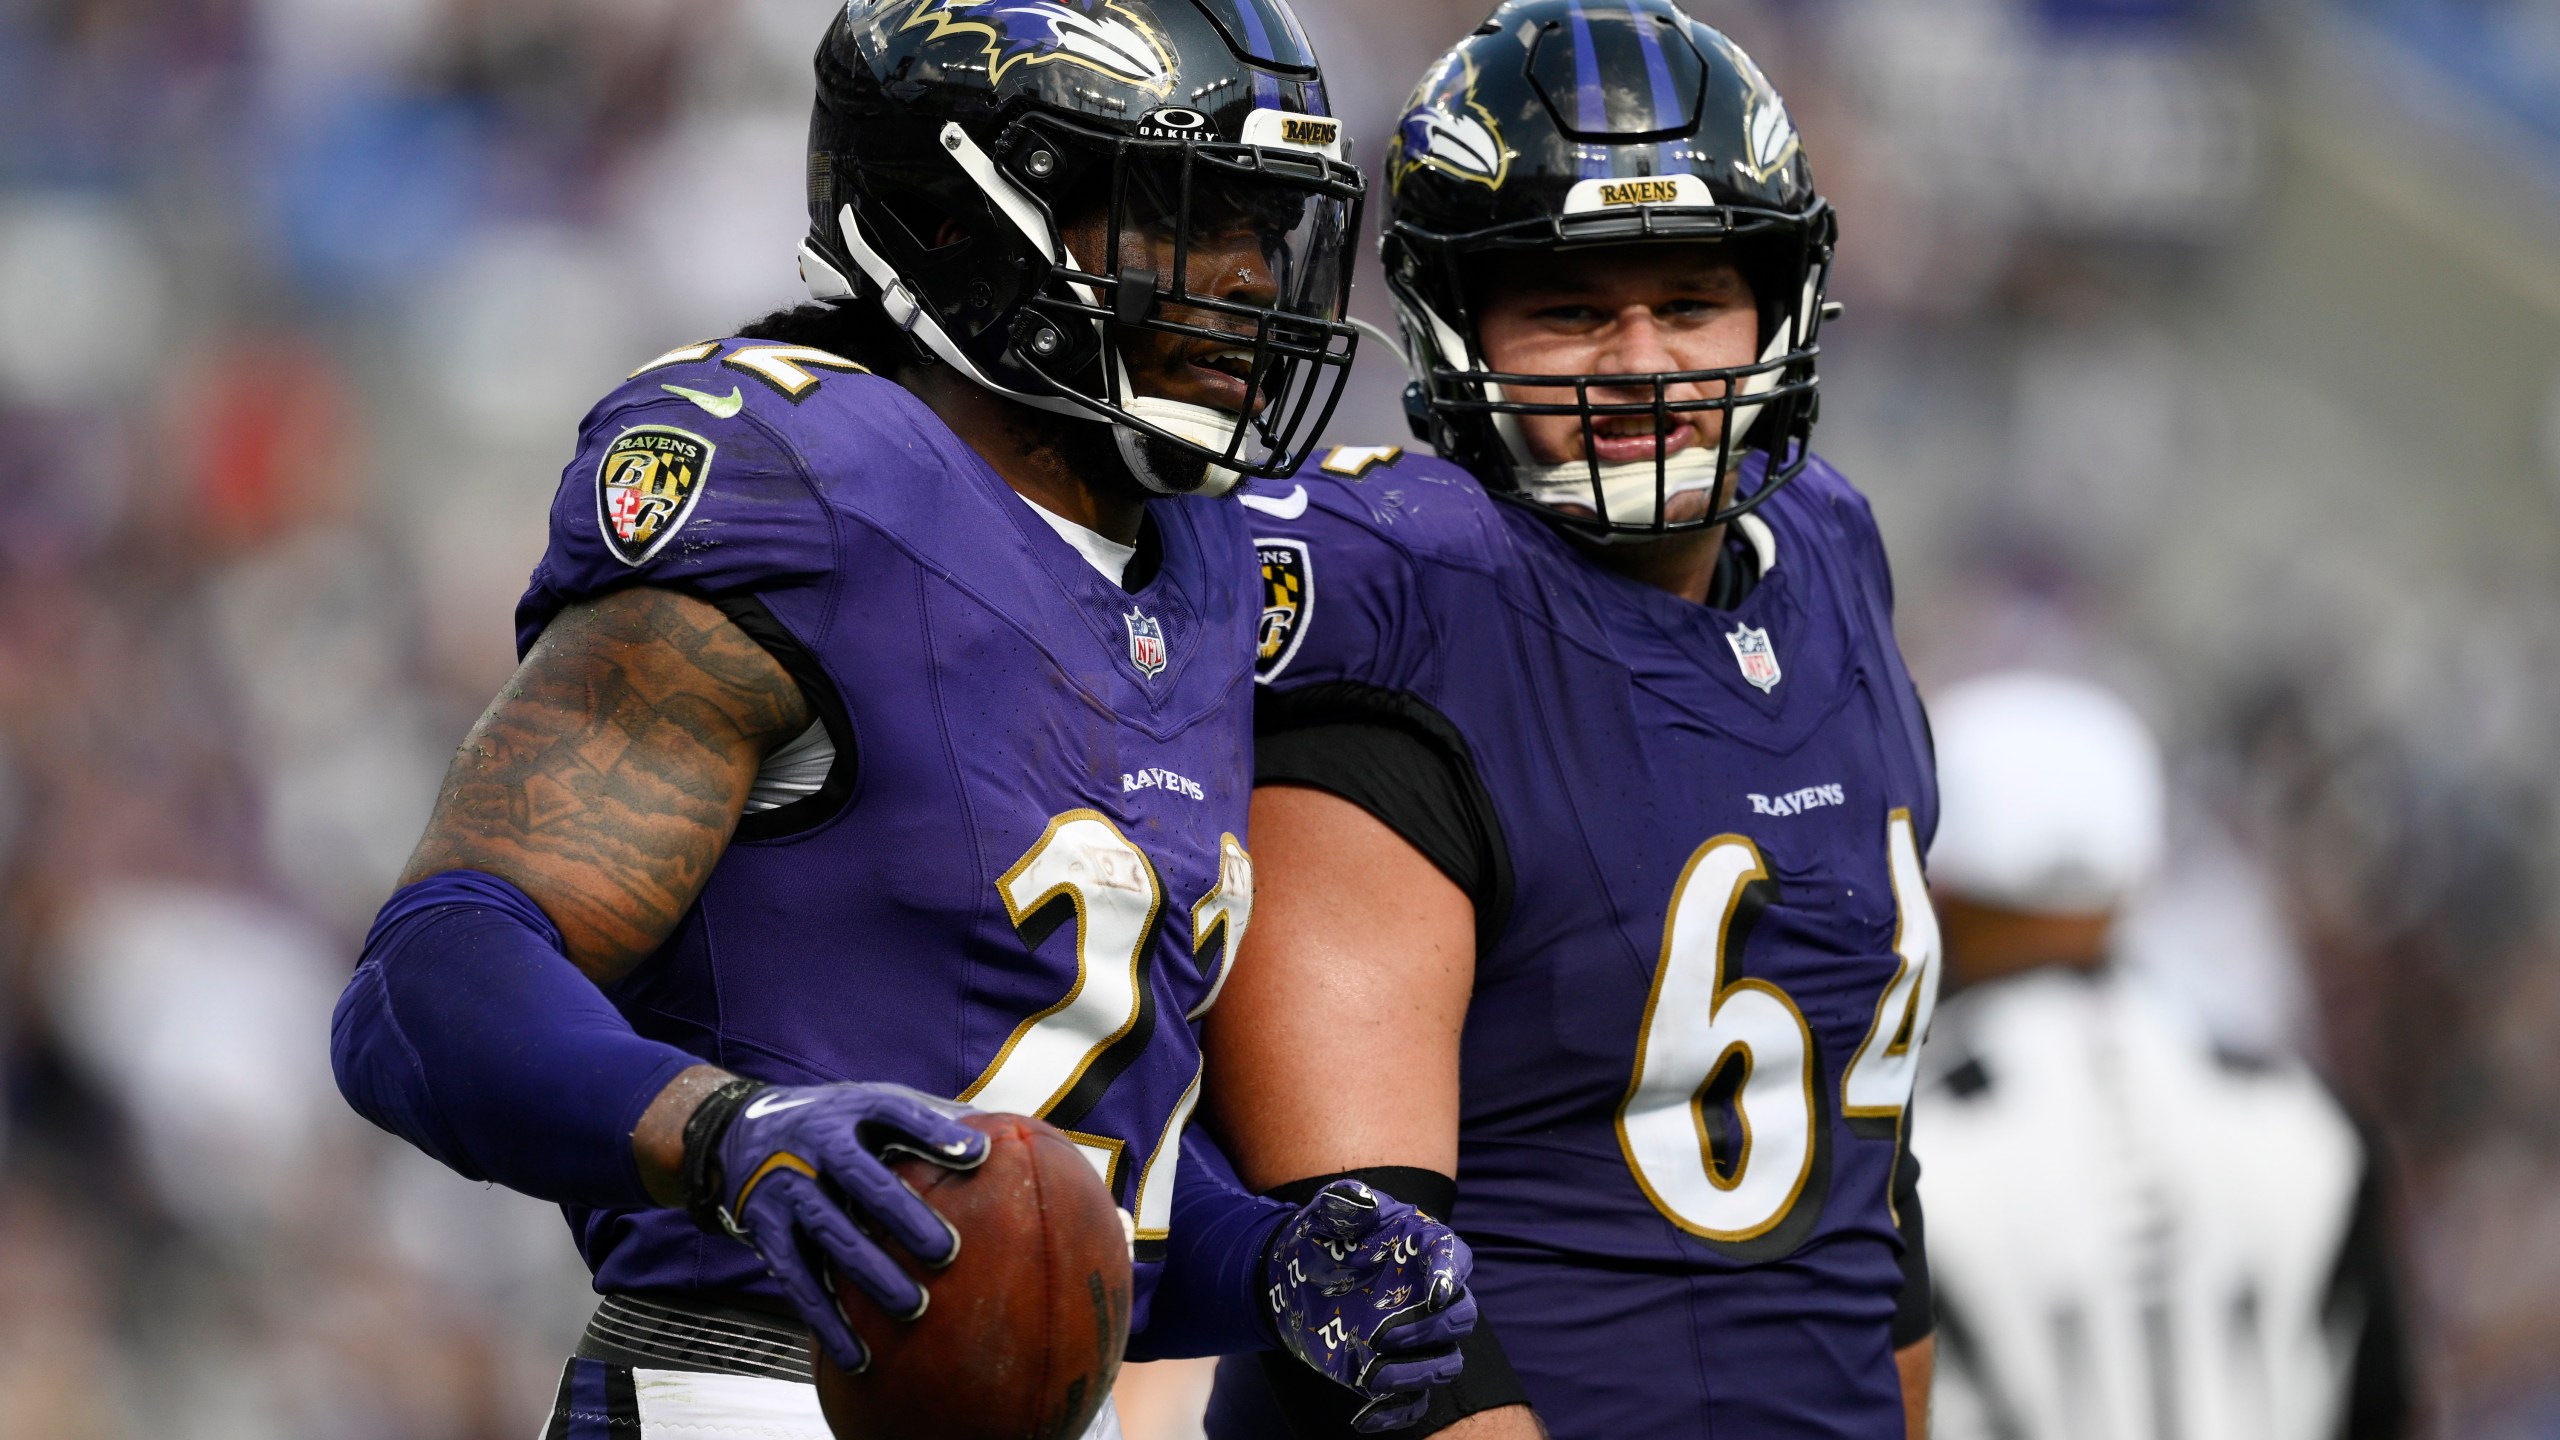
(1204, 286)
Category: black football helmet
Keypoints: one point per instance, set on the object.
(955, 142)
(1562, 124)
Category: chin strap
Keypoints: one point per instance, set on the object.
(909, 313)
(906, 309)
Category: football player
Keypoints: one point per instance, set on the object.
(1587, 754)
(882, 734)
(2138, 1230)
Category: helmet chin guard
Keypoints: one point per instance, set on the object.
(1214, 431)
(1571, 125)
(1631, 499)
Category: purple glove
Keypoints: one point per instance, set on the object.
(794, 1168)
(1372, 1293)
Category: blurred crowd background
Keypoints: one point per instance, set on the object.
(2209, 348)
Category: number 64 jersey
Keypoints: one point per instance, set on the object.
(1706, 957)
(1004, 863)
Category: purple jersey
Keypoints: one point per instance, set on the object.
(1020, 882)
(1693, 1032)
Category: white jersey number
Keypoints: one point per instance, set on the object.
(1724, 1123)
(1083, 862)
(1879, 1081)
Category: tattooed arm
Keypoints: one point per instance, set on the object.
(604, 782)
(606, 778)
(578, 824)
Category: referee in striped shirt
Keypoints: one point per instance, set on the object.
(2134, 1233)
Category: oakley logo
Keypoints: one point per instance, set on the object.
(1175, 118)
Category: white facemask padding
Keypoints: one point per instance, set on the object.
(1208, 428)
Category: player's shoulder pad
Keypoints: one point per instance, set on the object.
(1351, 549)
(1826, 497)
(727, 422)
(712, 468)
(1389, 498)
(1820, 511)
(797, 394)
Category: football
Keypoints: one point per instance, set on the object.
(1022, 1333)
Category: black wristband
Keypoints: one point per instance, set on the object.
(1428, 1191)
(703, 1182)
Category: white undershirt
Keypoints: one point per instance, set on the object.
(1763, 540)
(1099, 550)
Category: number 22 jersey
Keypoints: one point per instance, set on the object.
(1705, 955)
(1004, 865)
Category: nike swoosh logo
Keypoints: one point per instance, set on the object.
(764, 1105)
(1289, 508)
(720, 406)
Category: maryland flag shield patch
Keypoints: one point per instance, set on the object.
(1288, 598)
(646, 488)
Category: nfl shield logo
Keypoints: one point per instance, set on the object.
(1146, 643)
(1759, 660)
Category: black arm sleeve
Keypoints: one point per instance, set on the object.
(2379, 1398)
(1915, 1309)
(1313, 1407)
(1402, 762)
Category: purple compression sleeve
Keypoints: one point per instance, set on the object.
(1209, 1299)
(467, 1032)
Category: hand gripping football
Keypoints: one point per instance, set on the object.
(1022, 1335)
